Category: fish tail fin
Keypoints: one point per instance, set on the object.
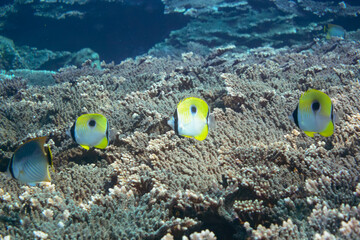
(212, 121)
(111, 135)
(203, 134)
(171, 122)
(328, 37)
(337, 116)
(328, 131)
(291, 118)
(68, 133)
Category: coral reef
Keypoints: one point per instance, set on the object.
(256, 176)
(249, 24)
(204, 24)
(24, 57)
(320, 8)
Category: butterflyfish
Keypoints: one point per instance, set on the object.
(30, 162)
(315, 114)
(91, 130)
(333, 30)
(192, 119)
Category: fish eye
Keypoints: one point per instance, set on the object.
(193, 109)
(92, 123)
(315, 106)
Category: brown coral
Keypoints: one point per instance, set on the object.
(256, 175)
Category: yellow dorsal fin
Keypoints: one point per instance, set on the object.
(203, 134)
(103, 144)
(312, 95)
(328, 131)
(310, 134)
(101, 121)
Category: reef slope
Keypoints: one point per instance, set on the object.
(256, 175)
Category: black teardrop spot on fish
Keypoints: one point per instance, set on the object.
(176, 122)
(295, 116)
(193, 109)
(315, 106)
(92, 123)
(11, 166)
(72, 132)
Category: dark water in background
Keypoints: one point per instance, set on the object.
(120, 30)
(115, 31)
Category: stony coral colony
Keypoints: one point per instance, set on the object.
(192, 119)
(256, 175)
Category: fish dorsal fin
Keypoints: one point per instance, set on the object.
(199, 103)
(101, 121)
(185, 105)
(312, 95)
(41, 140)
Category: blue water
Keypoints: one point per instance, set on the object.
(123, 29)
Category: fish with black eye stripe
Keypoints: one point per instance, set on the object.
(31, 161)
(315, 114)
(90, 130)
(192, 119)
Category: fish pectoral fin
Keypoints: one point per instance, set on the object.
(310, 134)
(86, 147)
(328, 131)
(203, 134)
(103, 144)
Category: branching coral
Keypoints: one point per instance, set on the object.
(256, 175)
